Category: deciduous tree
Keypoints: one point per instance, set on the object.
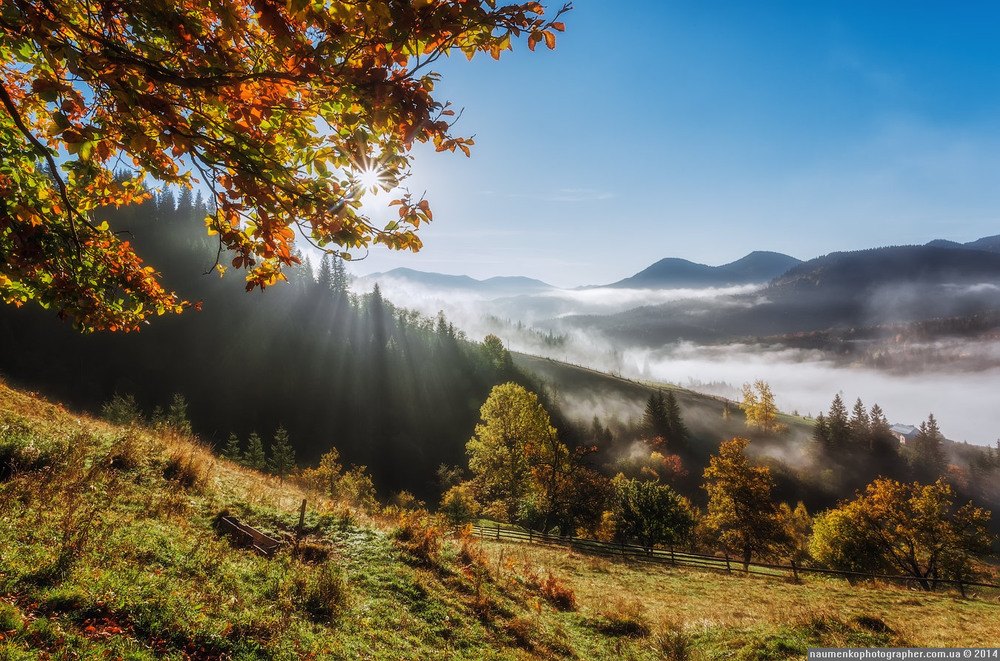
(915, 528)
(650, 513)
(512, 420)
(759, 407)
(740, 510)
(289, 111)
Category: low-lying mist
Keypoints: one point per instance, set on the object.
(954, 378)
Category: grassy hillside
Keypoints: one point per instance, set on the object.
(583, 393)
(110, 551)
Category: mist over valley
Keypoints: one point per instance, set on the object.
(914, 328)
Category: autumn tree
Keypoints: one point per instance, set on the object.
(841, 540)
(331, 480)
(650, 513)
(513, 420)
(758, 404)
(289, 112)
(913, 528)
(459, 505)
(741, 513)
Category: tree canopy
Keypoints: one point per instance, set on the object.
(740, 510)
(514, 423)
(914, 528)
(287, 111)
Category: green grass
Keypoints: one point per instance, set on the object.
(110, 552)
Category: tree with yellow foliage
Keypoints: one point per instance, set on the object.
(760, 409)
(741, 515)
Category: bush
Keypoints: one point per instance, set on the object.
(322, 592)
(626, 619)
(458, 506)
(558, 594)
(190, 468)
(11, 619)
(419, 538)
(121, 410)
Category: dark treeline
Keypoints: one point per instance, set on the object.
(388, 388)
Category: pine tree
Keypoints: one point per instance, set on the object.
(655, 422)
(255, 456)
(882, 444)
(339, 279)
(838, 426)
(927, 457)
(232, 450)
(177, 415)
(325, 276)
(859, 427)
(677, 431)
(821, 435)
(282, 454)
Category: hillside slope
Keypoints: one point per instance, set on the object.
(111, 551)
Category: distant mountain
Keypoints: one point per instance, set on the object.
(867, 288)
(491, 287)
(988, 243)
(864, 270)
(756, 268)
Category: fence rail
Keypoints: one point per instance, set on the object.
(722, 563)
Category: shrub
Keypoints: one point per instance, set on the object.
(558, 594)
(625, 619)
(126, 453)
(121, 410)
(459, 506)
(673, 641)
(322, 592)
(190, 468)
(11, 619)
(419, 538)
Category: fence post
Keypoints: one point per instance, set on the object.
(498, 532)
(795, 572)
(673, 560)
(729, 570)
(302, 523)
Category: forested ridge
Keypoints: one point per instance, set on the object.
(389, 389)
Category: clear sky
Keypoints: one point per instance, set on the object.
(706, 130)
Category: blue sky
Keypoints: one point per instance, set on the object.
(708, 130)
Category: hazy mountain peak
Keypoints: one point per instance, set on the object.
(757, 267)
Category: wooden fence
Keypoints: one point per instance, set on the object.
(721, 563)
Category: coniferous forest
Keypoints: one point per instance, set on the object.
(391, 390)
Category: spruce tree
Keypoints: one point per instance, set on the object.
(655, 423)
(282, 454)
(821, 435)
(838, 426)
(177, 415)
(232, 450)
(676, 429)
(859, 427)
(883, 445)
(255, 456)
(927, 457)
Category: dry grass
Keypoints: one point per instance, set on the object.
(690, 601)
